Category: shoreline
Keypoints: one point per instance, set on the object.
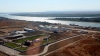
(73, 20)
(50, 20)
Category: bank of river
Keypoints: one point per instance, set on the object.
(42, 19)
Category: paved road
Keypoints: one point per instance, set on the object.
(8, 51)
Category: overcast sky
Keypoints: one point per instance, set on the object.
(48, 5)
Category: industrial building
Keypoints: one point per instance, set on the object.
(41, 26)
(20, 32)
(18, 35)
(28, 30)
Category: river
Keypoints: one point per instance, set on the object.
(42, 19)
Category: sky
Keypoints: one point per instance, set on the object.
(48, 5)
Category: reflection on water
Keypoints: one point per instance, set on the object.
(52, 21)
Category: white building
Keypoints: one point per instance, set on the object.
(41, 27)
(28, 30)
(63, 28)
(20, 32)
(49, 28)
(18, 35)
(55, 28)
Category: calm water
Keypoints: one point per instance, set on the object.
(51, 21)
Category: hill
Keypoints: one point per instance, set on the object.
(60, 14)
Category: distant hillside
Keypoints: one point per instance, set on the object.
(97, 19)
(61, 14)
(3, 18)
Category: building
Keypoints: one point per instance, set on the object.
(55, 28)
(63, 28)
(49, 28)
(41, 26)
(1, 41)
(18, 35)
(28, 30)
(83, 32)
(20, 32)
(27, 43)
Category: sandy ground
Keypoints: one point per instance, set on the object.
(2, 54)
(53, 36)
(33, 48)
(86, 47)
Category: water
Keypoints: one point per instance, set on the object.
(42, 19)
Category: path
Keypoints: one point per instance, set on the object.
(49, 48)
(8, 51)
